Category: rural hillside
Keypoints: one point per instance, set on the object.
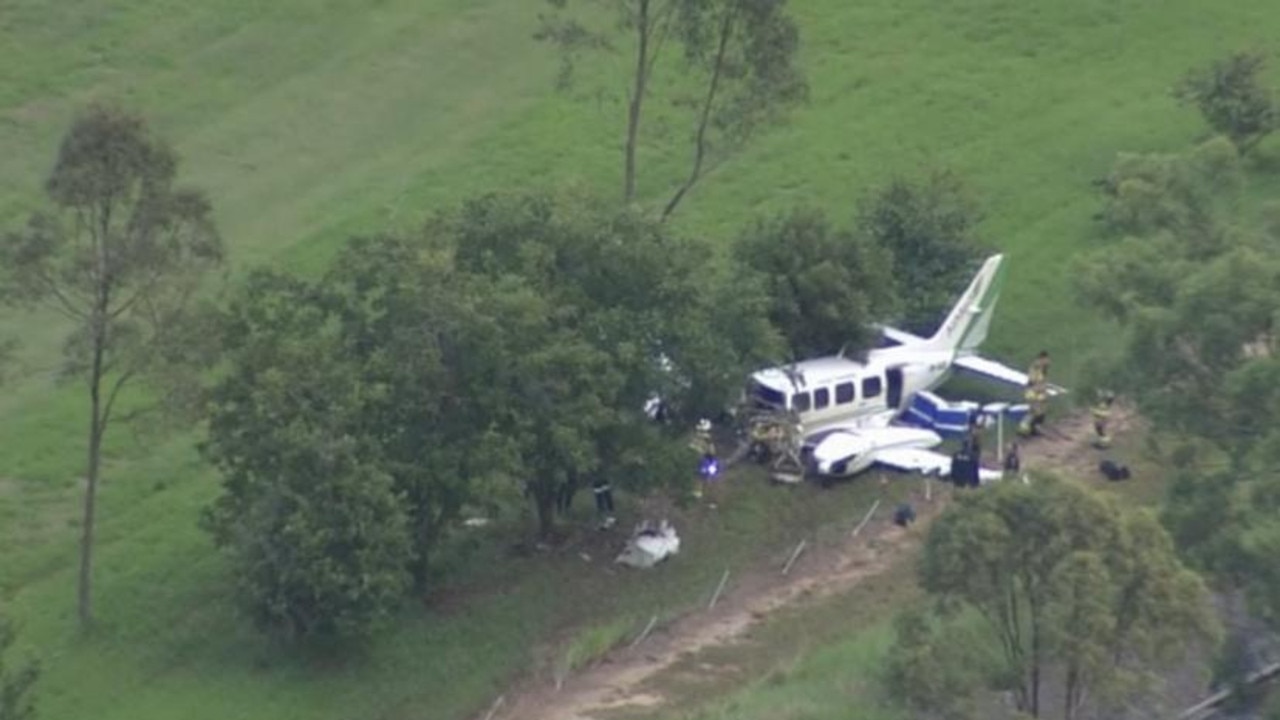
(307, 123)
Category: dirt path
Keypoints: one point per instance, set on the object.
(618, 680)
(1065, 447)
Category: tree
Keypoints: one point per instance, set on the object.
(373, 351)
(1232, 99)
(120, 256)
(318, 533)
(17, 682)
(1063, 579)
(402, 316)
(322, 548)
(825, 286)
(1180, 193)
(936, 668)
(1198, 303)
(581, 313)
(929, 227)
(560, 391)
(742, 53)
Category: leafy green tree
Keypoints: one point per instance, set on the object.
(120, 255)
(1232, 669)
(559, 393)
(929, 226)
(576, 308)
(322, 549)
(1198, 304)
(1181, 193)
(318, 533)
(741, 53)
(937, 668)
(1259, 541)
(825, 286)
(1231, 97)
(402, 317)
(16, 682)
(1062, 578)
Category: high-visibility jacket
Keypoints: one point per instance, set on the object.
(1036, 398)
(1038, 373)
(1039, 403)
(1101, 413)
(703, 444)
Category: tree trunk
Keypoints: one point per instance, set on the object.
(637, 100)
(85, 594)
(1069, 701)
(1035, 662)
(700, 141)
(544, 499)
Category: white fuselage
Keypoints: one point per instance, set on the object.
(841, 392)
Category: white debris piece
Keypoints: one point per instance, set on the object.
(650, 545)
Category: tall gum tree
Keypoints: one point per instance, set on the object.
(740, 61)
(120, 254)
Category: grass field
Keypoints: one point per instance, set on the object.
(309, 121)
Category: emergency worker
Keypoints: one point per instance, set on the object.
(1038, 373)
(1101, 417)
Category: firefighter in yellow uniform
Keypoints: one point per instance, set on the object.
(1038, 373)
(704, 445)
(1101, 416)
(1036, 398)
(766, 438)
(702, 442)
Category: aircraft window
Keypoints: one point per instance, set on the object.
(844, 393)
(769, 396)
(870, 388)
(800, 402)
(821, 398)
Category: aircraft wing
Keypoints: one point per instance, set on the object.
(915, 460)
(980, 366)
(992, 370)
(926, 462)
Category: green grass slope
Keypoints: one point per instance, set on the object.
(309, 121)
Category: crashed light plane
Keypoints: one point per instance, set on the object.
(850, 409)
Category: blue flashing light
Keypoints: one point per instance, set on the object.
(709, 467)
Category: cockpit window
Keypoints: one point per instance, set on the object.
(800, 402)
(768, 396)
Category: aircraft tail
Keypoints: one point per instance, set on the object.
(966, 326)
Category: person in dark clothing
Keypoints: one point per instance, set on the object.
(604, 500)
(1012, 461)
(973, 438)
(904, 515)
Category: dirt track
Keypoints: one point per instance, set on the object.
(616, 682)
(619, 679)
